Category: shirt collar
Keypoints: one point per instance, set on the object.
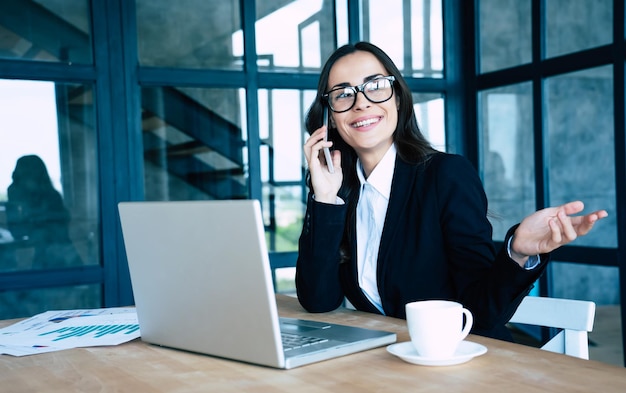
(381, 176)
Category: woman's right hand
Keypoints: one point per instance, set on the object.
(325, 184)
(548, 229)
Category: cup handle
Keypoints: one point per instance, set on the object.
(469, 321)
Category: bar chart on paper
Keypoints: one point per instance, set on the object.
(95, 331)
(89, 331)
(70, 329)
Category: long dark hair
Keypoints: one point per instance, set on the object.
(31, 173)
(411, 144)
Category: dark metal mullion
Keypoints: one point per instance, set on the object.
(177, 77)
(407, 38)
(37, 70)
(130, 170)
(355, 25)
(459, 77)
(277, 80)
(103, 58)
(540, 139)
(36, 279)
(114, 111)
(248, 20)
(572, 62)
(596, 256)
(619, 83)
(272, 188)
(440, 85)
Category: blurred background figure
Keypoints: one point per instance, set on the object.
(37, 217)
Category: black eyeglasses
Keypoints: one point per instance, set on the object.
(377, 90)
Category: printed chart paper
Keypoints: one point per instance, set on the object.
(58, 330)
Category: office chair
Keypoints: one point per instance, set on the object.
(575, 317)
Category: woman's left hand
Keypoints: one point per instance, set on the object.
(550, 228)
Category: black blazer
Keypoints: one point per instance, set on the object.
(436, 244)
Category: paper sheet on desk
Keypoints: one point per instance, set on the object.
(58, 330)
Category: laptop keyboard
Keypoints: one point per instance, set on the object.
(295, 341)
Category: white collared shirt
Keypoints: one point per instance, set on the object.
(371, 212)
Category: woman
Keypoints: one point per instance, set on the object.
(37, 215)
(397, 221)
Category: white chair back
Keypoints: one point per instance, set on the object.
(575, 317)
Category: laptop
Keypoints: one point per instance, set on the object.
(202, 282)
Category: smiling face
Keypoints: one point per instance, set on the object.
(368, 127)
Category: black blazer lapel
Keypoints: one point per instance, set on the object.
(402, 184)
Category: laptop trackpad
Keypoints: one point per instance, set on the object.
(291, 325)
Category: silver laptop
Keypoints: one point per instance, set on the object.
(202, 282)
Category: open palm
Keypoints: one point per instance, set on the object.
(550, 228)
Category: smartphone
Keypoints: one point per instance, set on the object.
(329, 160)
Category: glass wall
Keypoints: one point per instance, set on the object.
(49, 207)
(49, 169)
(24, 303)
(172, 36)
(305, 37)
(572, 26)
(430, 113)
(193, 143)
(281, 116)
(49, 199)
(26, 26)
(505, 34)
(549, 132)
(507, 152)
(579, 124)
(411, 32)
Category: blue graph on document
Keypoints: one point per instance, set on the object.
(97, 331)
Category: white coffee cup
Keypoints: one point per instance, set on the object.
(436, 327)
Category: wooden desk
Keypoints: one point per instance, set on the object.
(139, 367)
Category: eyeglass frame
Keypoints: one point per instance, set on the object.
(359, 88)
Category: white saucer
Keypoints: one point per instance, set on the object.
(465, 352)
